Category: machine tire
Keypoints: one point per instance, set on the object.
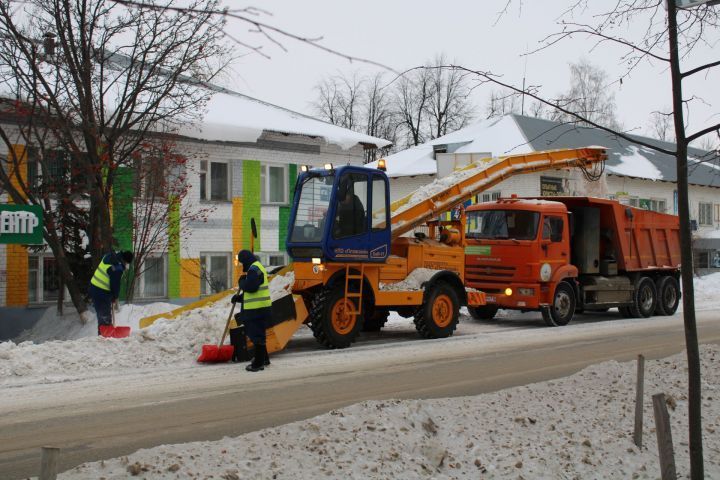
(376, 321)
(438, 316)
(562, 309)
(644, 298)
(668, 295)
(330, 326)
(486, 312)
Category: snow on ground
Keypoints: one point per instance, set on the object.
(575, 427)
(59, 348)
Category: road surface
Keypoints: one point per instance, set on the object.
(98, 418)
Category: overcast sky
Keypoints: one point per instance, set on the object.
(404, 34)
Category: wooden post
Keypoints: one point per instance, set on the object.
(639, 393)
(48, 464)
(664, 438)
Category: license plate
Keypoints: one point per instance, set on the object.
(490, 299)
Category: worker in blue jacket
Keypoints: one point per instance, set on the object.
(105, 284)
(256, 306)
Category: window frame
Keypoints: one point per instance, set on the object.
(205, 287)
(705, 213)
(264, 258)
(39, 281)
(265, 183)
(140, 287)
(205, 181)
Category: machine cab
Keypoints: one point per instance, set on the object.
(340, 214)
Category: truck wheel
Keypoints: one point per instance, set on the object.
(486, 312)
(563, 307)
(668, 293)
(438, 316)
(645, 299)
(375, 322)
(330, 320)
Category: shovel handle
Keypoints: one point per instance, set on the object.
(227, 325)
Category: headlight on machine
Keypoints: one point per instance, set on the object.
(545, 272)
(508, 292)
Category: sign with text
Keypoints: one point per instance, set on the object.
(551, 186)
(21, 224)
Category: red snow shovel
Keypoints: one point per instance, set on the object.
(111, 331)
(218, 353)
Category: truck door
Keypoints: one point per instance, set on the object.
(349, 238)
(554, 241)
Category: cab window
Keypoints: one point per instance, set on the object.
(552, 229)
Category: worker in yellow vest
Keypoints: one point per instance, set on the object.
(256, 303)
(105, 284)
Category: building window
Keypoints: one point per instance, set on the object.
(633, 201)
(717, 213)
(273, 184)
(487, 197)
(705, 212)
(272, 259)
(216, 185)
(150, 177)
(214, 272)
(658, 205)
(153, 279)
(701, 258)
(43, 281)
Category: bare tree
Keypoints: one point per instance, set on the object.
(338, 100)
(448, 108)
(588, 96)
(681, 33)
(412, 95)
(91, 79)
(379, 118)
(661, 126)
(500, 104)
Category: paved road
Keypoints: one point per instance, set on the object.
(106, 418)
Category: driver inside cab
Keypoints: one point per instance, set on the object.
(350, 219)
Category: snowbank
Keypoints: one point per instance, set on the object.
(414, 281)
(576, 427)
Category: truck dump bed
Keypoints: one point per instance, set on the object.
(638, 239)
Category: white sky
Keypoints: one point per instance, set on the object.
(403, 34)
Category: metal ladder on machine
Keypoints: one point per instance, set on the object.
(350, 294)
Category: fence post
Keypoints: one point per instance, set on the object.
(664, 438)
(639, 393)
(48, 463)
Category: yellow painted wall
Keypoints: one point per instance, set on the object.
(17, 256)
(189, 277)
(237, 231)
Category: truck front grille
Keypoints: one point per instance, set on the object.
(477, 273)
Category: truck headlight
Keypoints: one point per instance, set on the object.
(545, 272)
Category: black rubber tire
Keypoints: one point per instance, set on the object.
(668, 295)
(484, 313)
(425, 324)
(321, 319)
(563, 297)
(644, 298)
(625, 312)
(376, 321)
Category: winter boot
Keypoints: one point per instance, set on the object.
(266, 361)
(258, 360)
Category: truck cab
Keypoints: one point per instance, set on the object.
(515, 250)
(340, 214)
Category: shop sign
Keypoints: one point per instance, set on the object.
(21, 224)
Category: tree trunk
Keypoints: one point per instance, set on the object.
(691, 338)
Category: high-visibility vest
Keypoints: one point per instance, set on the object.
(100, 278)
(261, 298)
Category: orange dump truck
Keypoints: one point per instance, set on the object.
(564, 255)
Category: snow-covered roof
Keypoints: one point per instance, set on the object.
(233, 117)
(516, 134)
(498, 136)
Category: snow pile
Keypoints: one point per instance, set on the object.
(707, 289)
(414, 281)
(575, 427)
(281, 285)
(165, 343)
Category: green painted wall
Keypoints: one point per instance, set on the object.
(122, 210)
(284, 214)
(251, 201)
(174, 250)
